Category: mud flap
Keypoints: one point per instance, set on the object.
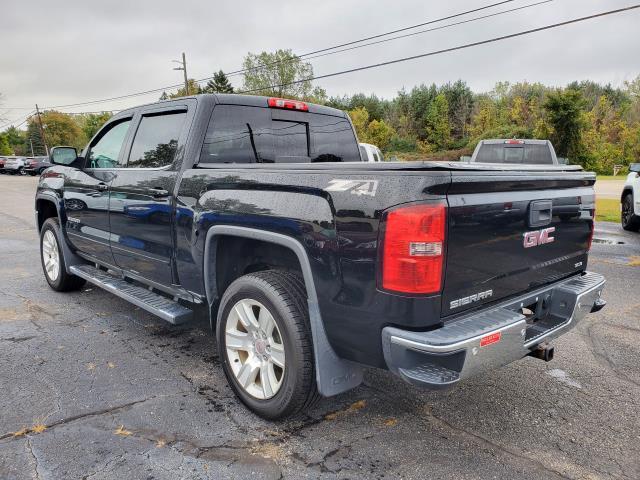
(334, 375)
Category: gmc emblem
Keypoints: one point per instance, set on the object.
(539, 237)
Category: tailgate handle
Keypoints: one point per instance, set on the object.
(540, 213)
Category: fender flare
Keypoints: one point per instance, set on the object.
(334, 375)
(70, 258)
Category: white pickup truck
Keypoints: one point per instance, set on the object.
(370, 153)
(630, 199)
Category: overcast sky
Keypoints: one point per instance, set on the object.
(71, 51)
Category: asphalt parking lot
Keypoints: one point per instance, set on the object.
(94, 388)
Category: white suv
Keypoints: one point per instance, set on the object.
(631, 199)
(14, 164)
(370, 153)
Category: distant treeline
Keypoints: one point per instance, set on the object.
(597, 126)
(593, 125)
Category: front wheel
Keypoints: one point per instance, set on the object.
(630, 221)
(265, 343)
(53, 265)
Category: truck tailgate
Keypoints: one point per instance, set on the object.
(511, 232)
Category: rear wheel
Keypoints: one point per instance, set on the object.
(265, 343)
(630, 221)
(53, 265)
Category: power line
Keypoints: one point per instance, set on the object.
(380, 35)
(452, 49)
(157, 90)
(475, 19)
(12, 123)
(461, 47)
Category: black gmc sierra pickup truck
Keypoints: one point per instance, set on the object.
(310, 263)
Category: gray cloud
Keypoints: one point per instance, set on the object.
(67, 52)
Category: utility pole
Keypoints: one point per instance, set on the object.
(31, 143)
(183, 67)
(44, 140)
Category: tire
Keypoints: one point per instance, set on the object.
(284, 297)
(52, 259)
(630, 221)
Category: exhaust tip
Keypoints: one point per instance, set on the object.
(543, 352)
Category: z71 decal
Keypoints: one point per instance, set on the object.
(356, 187)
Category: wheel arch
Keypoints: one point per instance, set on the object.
(626, 191)
(46, 206)
(334, 375)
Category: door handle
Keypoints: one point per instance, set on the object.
(159, 192)
(102, 187)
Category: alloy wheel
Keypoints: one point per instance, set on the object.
(50, 255)
(255, 349)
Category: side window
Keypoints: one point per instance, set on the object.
(104, 152)
(156, 140)
(238, 134)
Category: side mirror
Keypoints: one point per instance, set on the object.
(634, 167)
(63, 155)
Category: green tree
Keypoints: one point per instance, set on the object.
(564, 113)
(5, 148)
(437, 126)
(218, 84)
(460, 100)
(60, 129)
(17, 139)
(360, 119)
(90, 123)
(380, 133)
(194, 89)
(279, 74)
(485, 117)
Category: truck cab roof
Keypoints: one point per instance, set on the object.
(238, 99)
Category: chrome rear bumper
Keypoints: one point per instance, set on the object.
(491, 338)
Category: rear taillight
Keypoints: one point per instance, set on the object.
(288, 104)
(412, 249)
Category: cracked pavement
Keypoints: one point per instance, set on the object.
(94, 388)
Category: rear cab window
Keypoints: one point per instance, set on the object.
(248, 134)
(531, 154)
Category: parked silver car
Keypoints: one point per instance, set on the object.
(15, 165)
